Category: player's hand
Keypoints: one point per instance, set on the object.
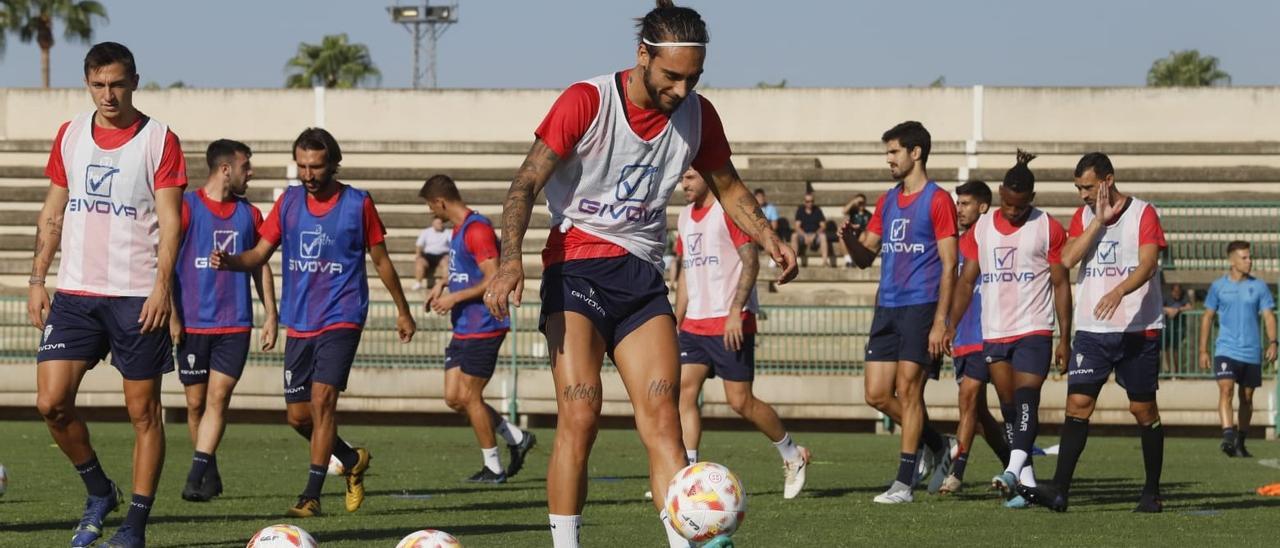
(155, 310)
(270, 329)
(733, 332)
(1103, 209)
(406, 327)
(849, 232)
(508, 284)
(37, 305)
(443, 304)
(1108, 304)
(175, 329)
(1062, 355)
(218, 260)
(937, 340)
(434, 294)
(1270, 354)
(948, 340)
(783, 256)
(1204, 358)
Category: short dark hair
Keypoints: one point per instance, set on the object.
(910, 134)
(314, 138)
(1097, 162)
(106, 53)
(668, 23)
(861, 195)
(440, 186)
(976, 188)
(1019, 178)
(760, 191)
(1236, 246)
(222, 150)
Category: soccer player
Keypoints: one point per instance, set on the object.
(716, 309)
(1237, 299)
(472, 354)
(973, 199)
(324, 227)
(1116, 239)
(213, 314)
(917, 273)
(610, 154)
(1017, 251)
(113, 207)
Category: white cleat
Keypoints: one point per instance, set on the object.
(648, 495)
(794, 474)
(898, 493)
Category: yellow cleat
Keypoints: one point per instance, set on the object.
(355, 480)
(305, 508)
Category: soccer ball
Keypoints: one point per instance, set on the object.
(429, 538)
(282, 536)
(335, 467)
(705, 500)
(4, 480)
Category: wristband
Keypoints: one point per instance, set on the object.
(35, 281)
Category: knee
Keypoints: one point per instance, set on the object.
(455, 401)
(55, 410)
(1143, 412)
(580, 425)
(878, 400)
(741, 404)
(144, 415)
(299, 421)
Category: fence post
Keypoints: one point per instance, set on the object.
(513, 404)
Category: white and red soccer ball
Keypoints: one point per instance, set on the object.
(429, 538)
(282, 536)
(705, 500)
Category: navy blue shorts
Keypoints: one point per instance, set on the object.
(1031, 354)
(1248, 375)
(83, 328)
(198, 354)
(901, 333)
(1135, 357)
(324, 358)
(709, 350)
(618, 294)
(972, 365)
(476, 357)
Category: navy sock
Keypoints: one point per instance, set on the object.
(345, 454)
(139, 511)
(907, 468)
(932, 439)
(1152, 456)
(1026, 403)
(957, 465)
(1002, 453)
(95, 479)
(315, 481)
(1075, 433)
(199, 466)
(1240, 435)
(213, 466)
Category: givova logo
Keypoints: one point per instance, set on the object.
(897, 233)
(898, 230)
(99, 182)
(226, 241)
(44, 343)
(311, 244)
(694, 256)
(636, 182)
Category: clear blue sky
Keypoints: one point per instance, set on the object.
(831, 43)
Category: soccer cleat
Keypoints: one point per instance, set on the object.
(307, 507)
(794, 474)
(191, 492)
(898, 493)
(1005, 482)
(355, 479)
(89, 529)
(518, 453)
(1229, 447)
(1241, 451)
(1046, 495)
(943, 468)
(951, 485)
(1017, 503)
(485, 475)
(1149, 504)
(124, 538)
(926, 461)
(206, 490)
(648, 495)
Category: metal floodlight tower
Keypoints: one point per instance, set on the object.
(425, 23)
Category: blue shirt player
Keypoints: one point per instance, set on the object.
(325, 228)
(1237, 299)
(472, 354)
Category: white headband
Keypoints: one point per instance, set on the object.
(674, 44)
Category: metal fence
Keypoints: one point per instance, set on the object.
(1198, 233)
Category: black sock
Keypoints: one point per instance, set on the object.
(957, 465)
(213, 466)
(1002, 453)
(95, 479)
(1240, 435)
(315, 481)
(1075, 433)
(345, 454)
(1026, 403)
(1152, 456)
(199, 466)
(907, 468)
(139, 511)
(932, 439)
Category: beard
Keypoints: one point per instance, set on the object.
(655, 97)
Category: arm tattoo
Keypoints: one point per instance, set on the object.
(518, 206)
(738, 202)
(661, 388)
(589, 393)
(750, 257)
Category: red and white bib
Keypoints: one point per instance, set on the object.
(711, 265)
(1105, 265)
(1017, 298)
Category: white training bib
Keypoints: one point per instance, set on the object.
(711, 264)
(1105, 265)
(1017, 297)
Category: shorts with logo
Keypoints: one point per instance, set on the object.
(198, 354)
(1031, 354)
(727, 364)
(1135, 357)
(901, 333)
(325, 358)
(1247, 375)
(477, 357)
(618, 294)
(86, 328)
(972, 365)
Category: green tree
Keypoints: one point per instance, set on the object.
(770, 85)
(333, 63)
(1187, 68)
(34, 20)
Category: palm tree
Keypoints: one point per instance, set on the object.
(333, 63)
(1187, 68)
(34, 19)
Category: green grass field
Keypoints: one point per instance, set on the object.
(415, 482)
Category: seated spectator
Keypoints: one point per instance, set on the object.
(1176, 301)
(810, 228)
(433, 247)
(771, 214)
(856, 213)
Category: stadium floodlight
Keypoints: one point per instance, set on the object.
(427, 24)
